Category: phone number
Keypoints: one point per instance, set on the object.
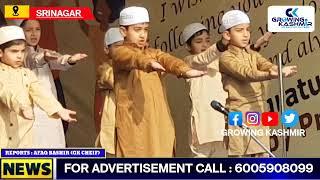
(273, 168)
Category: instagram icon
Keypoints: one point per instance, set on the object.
(253, 118)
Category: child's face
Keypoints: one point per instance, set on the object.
(110, 50)
(199, 43)
(137, 34)
(32, 31)
(239, 35)
(13, 55)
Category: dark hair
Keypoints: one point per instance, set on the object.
(3, 21)
(115, 7)
(23, 23)
(12, 43)
(199, 33)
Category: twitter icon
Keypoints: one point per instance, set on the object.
(290, 118)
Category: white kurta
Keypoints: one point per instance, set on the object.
(207, 123)
(48, 132)
(106, 136)
(21, 89)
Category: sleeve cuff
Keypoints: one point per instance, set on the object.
(255, 49)
(221, 47)
(51, 112)
(184, 70)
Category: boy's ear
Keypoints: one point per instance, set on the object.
(226, 35)
(1, 53)
(106, 50)
(123, 31)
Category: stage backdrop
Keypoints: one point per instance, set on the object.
(168, 18)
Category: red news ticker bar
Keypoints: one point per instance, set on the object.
(61, 13)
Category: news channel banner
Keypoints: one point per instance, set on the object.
(93, 164)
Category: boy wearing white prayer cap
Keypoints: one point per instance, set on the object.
(41, 62)
(206, 139)
(25, 89)
(106, 137)
(144, 126)
(242, 74)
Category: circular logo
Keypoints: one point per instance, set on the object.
(290, 118)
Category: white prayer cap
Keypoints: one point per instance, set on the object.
(113, 35)
(191, 29)
(233, 18)
(133, 15)
(10, 33)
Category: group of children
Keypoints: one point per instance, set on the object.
(135, 117)
(230, 71)
(26, 67)
(22, 92)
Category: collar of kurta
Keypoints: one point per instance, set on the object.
(4, 66)
(236, 50)
(133, 45)
(37, 49)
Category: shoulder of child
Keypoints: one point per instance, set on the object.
(28, 72)
(153, 50)
(188, 59)
(104, 65)
(254, 53)
(126, 47)
(227, 54)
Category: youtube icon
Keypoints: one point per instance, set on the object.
(270, 119)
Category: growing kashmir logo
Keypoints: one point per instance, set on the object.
(291, 18)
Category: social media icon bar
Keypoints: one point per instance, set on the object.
(270, 119)
(290, 118)
(253, 118)
(235, 118)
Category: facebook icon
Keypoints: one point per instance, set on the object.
(235, 118)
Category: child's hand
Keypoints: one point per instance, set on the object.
(66, 114)
(195, 73)
(27, 113)
(50, 55)
(273, 72)
(263, 39)
(289, 71)
(76, 57)
(157, 66)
